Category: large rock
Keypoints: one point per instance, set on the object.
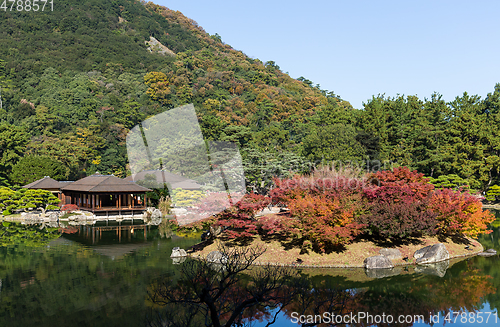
(81, 217)
(431, 254)
(390, 253)
(436, 269)
(156, 214)
(488, 253)
(378, 262)
(177, 252)
(217, 257)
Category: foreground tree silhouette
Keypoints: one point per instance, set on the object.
(229, 293)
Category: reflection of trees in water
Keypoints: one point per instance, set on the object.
(427, 295)
(236, 294)
(69, 284)
(29, 235)
(233, 293)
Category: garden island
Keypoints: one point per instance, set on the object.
(339, 218)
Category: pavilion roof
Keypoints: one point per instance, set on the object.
(104, 184)
(46, 183)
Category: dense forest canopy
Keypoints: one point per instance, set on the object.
(74, 81)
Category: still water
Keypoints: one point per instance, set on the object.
(101, 276)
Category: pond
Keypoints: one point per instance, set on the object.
(101, 275)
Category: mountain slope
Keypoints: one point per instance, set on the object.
(77, 79)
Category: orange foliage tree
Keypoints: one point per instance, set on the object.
(460, 212)
(323, 211)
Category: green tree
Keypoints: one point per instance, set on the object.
(493, 193)
(492, 117)
(13, 141)
(5, 83)
(26, 199)
(333, 142)
(465, 152)
(261, 167)
(452, 181)
(33, 167)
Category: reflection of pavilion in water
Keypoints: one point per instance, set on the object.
(116, 232)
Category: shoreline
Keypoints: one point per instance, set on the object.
(370, 249)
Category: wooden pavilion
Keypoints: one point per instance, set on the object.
(105, 194)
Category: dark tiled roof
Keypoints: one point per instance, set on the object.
(104, 183)
(44, 183)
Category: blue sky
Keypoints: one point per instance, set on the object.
(358, 49)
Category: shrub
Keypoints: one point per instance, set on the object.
(69, 208)
(239, 219)
(400, 181)
(402, 219)
(325, 221)
(323, 210)
(460, 213)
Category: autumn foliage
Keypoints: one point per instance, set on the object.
(239, 219)
(323, 210)
(404, 204)
(399, 205)
(331, 211)
(69, 208)
(460, 212)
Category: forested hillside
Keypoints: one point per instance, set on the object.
(74, 81)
